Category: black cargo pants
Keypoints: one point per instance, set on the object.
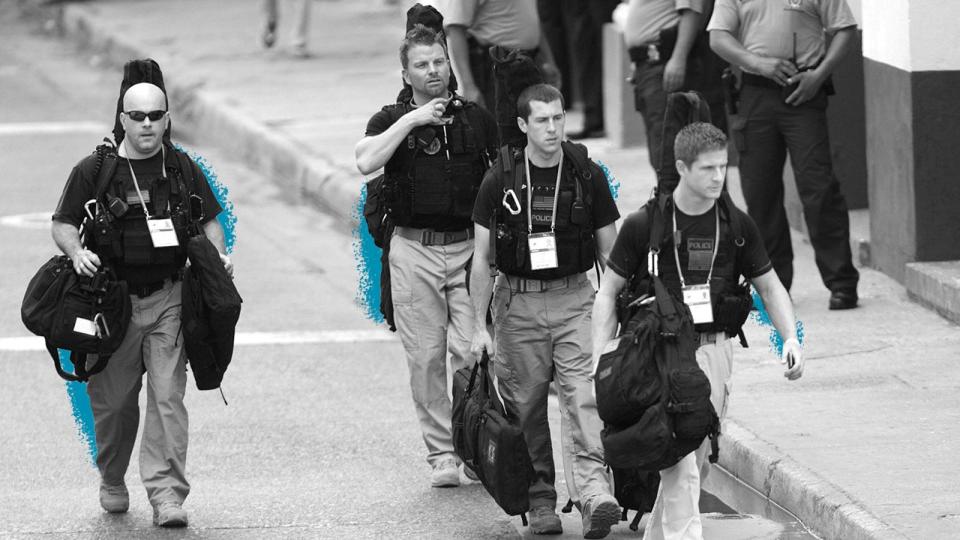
(764, 129)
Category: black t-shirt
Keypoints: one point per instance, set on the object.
(484, 127)
(695, 249)
(603, 210)
(81, 186)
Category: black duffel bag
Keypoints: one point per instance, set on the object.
(77, 313)
(489, 442)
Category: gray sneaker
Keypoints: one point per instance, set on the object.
(544, 520)
(169, 514)
(599, 514)
(445, 473)
(114, 499)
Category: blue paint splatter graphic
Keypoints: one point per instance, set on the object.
(80, 405)
(613, 182)
(763, 318)
(367, 255)
(79, 400)
(227, 218)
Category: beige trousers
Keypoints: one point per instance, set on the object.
(434, 317)
(152, 345)
(676, 512)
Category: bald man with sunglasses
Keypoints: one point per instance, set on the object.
(140, 196)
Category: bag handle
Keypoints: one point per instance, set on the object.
(79, 360)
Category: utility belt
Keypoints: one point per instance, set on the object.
(659, 51)
(522, 285)
(480, 59)
(430, 237)
(760, 81)
(147, 289)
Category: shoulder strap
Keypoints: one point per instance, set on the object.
(733, 218)
(577, 154)
(106, 166)
(657, 209)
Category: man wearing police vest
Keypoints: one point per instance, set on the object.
(701, 264)
(142, 209)
(434, 147)
(544, 215)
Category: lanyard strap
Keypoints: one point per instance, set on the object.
(716, 244)
(136, 185)
(556, 193)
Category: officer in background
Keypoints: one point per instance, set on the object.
(669, 50)
(781, 47)
(705, 254)
(543, 224)
(147, 199)
(474, 26)
(435, 148)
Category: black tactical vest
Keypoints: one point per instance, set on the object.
(576, 247)
(728, 298)
(442, 169)
(123, 236)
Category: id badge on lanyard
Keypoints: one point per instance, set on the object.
(543, 251)
(697, 297)
(543, 246)
(162, 232)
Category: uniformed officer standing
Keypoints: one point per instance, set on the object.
(669, 51)
(550, 215)
(148, 203)
(781, 47)
(705, 255)
(474, 26)
(434, 148)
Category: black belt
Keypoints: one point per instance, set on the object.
(760, 80)
(146, 289)
(430, 237)
(517, 284)
(763, 82)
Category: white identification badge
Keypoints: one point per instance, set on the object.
(543, 251)
(162, 233)
(697, 298)
(84, 326)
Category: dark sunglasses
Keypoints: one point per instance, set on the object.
(140, 116)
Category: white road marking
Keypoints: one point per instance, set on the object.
(40, 128)
(33, 343)
(35, 220)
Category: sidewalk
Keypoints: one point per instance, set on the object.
(861, 447)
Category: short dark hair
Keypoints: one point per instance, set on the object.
(420, 35)
(697, 138)
(537, 92)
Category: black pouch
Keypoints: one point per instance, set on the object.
(690, 404)
(645, 444)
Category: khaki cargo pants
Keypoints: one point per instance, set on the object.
(153, 345)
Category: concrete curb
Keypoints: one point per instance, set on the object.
(935, 285)
(821, 506)
(202, 115)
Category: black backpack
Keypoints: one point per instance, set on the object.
(651, 394)
(77, 313)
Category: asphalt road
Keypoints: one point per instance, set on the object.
(319, 438)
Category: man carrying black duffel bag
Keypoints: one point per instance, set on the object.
(699, 264)
(135, 200)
